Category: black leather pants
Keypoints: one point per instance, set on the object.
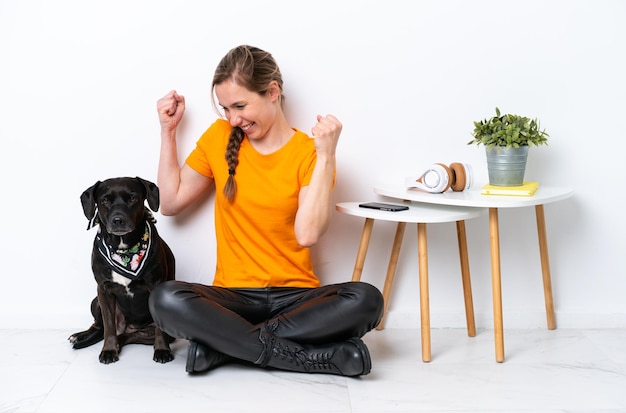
(230, 320)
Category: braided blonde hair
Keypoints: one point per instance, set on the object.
(253, 69)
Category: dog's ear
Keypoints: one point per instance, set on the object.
(152, 194)
(88, 201)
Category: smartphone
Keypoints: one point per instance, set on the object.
(384, 207)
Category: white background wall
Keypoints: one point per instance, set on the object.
(79, 83)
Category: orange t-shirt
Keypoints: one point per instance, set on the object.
(256, 243)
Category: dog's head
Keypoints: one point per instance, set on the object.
(119, 203)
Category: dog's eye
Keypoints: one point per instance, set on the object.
(133, 198)
(105, 201)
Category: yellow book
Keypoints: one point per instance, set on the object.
(526, 189)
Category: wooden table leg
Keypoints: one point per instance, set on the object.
(545, 266)
(360, 256)
(496, 283)
(465, 275)
(422, 252)
(391, 269)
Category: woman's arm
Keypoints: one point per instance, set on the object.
(178, 187)
(315, 200)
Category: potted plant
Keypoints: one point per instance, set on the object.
(506, 139)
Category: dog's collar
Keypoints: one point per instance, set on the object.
(128, 262)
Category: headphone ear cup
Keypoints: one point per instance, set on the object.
(458, 176)
(436, 179)
(462, 176)
(447, 177)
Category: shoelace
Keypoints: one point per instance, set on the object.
(313, 361)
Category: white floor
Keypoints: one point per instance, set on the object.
(545, 371)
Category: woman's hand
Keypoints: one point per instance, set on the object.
(171, 108)
(326, 134)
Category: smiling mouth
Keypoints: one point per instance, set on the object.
(248, 126)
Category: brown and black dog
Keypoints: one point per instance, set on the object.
(128, 260)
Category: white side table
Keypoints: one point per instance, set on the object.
(421, 215)
(473, 198)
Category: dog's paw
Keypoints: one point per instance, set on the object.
(86, 338)
(79, 340)
(109, 356)
(163, 356)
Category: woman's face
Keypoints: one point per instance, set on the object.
(252, 112)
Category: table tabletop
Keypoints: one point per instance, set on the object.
(417, 212)
(473, 198)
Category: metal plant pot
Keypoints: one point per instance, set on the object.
(506, 167)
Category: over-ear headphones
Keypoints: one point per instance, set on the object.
(439, 178)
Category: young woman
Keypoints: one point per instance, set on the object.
(272, 202)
